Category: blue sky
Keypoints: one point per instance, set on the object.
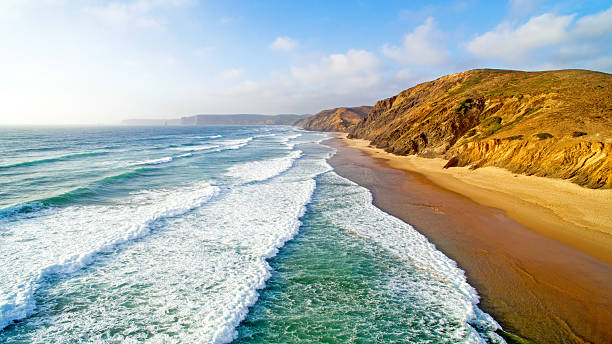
(90, 62)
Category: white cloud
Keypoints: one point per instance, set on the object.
(343, 72)
(513, 44)
(285, 44)
(420, 47)
(14, 10)
(596, 25)
(231, 74)
(404, 74)
(560, 40)
(135, 13)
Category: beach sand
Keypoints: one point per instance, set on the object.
(538, 250)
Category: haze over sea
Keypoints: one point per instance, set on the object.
(211, 235)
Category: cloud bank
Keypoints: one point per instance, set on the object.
(547, 39)
(420, 47)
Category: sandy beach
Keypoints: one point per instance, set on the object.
(538, 250)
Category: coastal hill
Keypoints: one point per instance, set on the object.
(554, 123)
(338, 119)
(232, 119)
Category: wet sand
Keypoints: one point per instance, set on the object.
(536, 286)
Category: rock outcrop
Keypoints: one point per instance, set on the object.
(339, 119)
(556, 123)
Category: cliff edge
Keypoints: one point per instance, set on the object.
(553, 123)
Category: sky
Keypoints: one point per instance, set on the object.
(99, 62)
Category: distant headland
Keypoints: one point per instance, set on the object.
(229, 119)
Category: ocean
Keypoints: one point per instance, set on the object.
(211, 235)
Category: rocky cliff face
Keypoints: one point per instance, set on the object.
(585, 163)
(338, 119)
(556, 123)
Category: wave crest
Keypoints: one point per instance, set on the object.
(18, 302)
(264, 169)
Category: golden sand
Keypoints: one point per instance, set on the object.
(556, 208)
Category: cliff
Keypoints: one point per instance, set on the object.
(338, 119)
(555, 123)
(233, 119)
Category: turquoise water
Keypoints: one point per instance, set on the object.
(210, 235)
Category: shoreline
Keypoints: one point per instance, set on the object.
(541, 282)
(558, 209)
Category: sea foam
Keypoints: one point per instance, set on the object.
(264, 169)
(156, 161)
(214, 263)
(27, 208)
(286, 140)
(44, 246)
(196, 148)
(437, 281)
(234, 144)
(53, 159)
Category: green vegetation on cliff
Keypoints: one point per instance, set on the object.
(555, 123)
